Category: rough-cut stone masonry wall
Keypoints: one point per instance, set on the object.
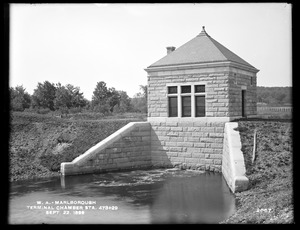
(236, 83)
(127, 148)
(195, 145)
(217, 98)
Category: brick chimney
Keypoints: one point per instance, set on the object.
(170, 49)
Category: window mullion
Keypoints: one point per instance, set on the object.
(179, 101)
(193, 105)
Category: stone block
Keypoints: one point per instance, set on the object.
(158, 143)
(200, 134)
(207, 150)
(163, 128)
(200, 145)
(217, 161)
(207, 140)
(216, 135)
(173, 134)
(191, 160)
(174, 124)
(198, 155)
(173, 144)
(208, 129)
(176, 129)
(185, 124)
(172, 154)
(217, 145)
(185, 134)
(219, 129)
(176, 139)
(177, 159)
(199, 124)
(192, 139)
(175, 149)
(194, 150)
(194, 129)
(185, 144)
(209, 161)
(215, 156)
(184, 154)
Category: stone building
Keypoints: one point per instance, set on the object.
(192, 92)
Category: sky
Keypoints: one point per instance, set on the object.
(82, 44)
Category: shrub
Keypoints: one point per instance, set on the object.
(43, 111)
(75, 110)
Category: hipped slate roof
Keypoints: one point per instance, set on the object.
(201, 49)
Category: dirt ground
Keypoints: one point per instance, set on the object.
(269, 198)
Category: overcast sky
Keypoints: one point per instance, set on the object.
(82, 44)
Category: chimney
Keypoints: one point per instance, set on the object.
(170, 49)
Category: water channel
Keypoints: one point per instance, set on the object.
(133, 197)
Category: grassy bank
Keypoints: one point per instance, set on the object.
(269, 198)
(39, 143)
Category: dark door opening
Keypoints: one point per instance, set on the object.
(243, 103)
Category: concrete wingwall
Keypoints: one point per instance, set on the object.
(233, 166)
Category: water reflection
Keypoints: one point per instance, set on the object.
(152, 196)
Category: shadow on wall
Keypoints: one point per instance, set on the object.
(161, 155)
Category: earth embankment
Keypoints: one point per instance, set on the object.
(39, 143)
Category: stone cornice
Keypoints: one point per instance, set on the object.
(201, 66)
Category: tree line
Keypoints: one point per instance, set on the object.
(274, 96)
(68, 98)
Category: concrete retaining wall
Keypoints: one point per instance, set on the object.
(127, 148)
(233, 166)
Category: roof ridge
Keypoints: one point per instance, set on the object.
(218, 45)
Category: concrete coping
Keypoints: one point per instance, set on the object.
(240, 181)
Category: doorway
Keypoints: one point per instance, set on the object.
(243, 103)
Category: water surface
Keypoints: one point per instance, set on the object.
(135, 197)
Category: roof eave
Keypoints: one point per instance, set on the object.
(201, 65)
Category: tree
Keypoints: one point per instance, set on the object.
(113, 98)
(139, 100)
(68, 97)
(99, 98)
(100, 93)
(274, 96)
(44, 95)
(20, 99)
(63, 99)
(124, 103)
(104, 100)
(77, 99)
